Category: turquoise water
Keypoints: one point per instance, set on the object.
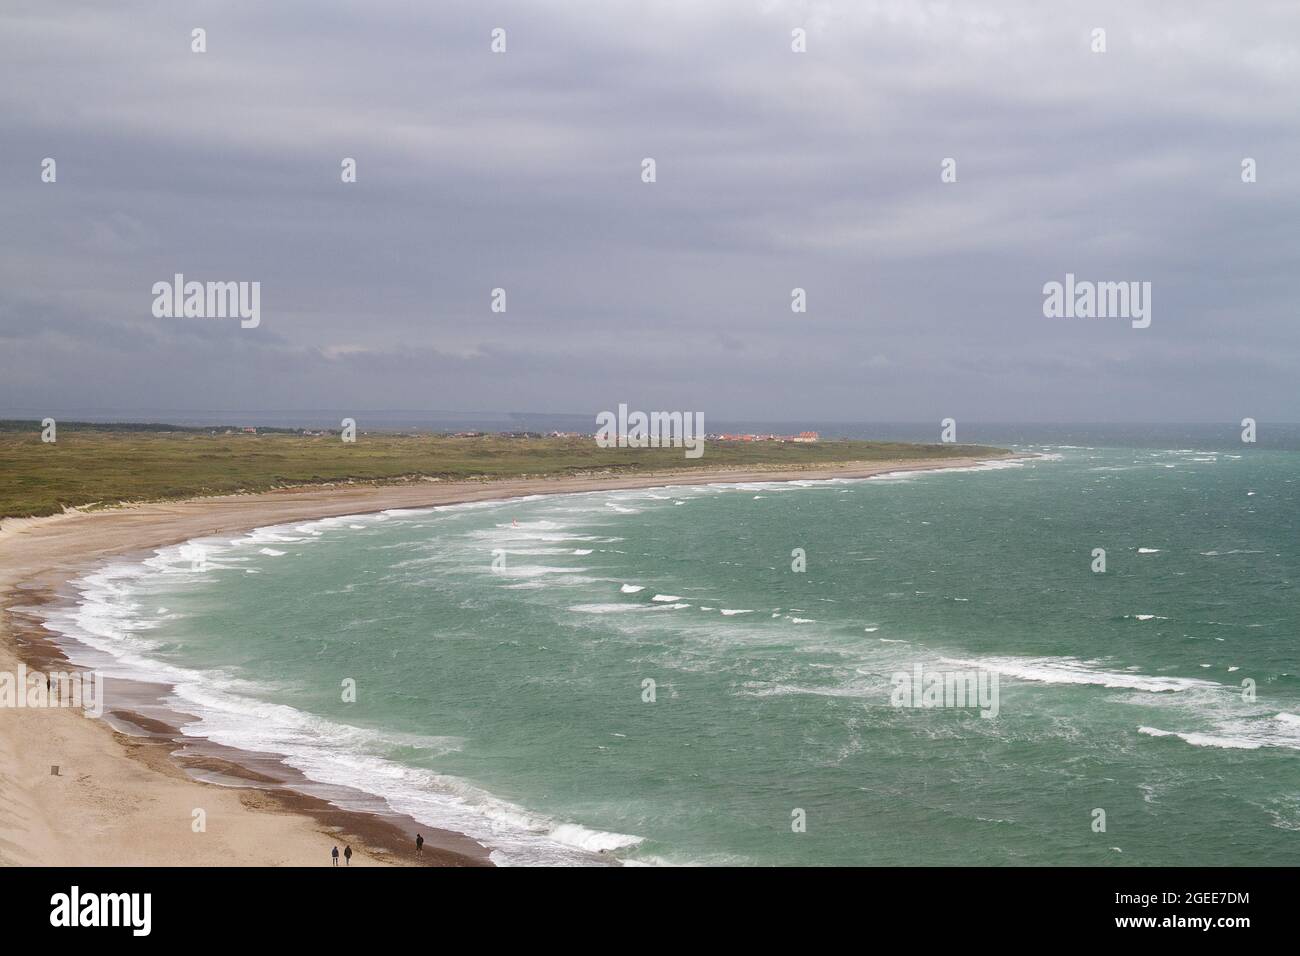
(509, 703)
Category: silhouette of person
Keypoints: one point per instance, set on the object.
(334, 855)
(347, 855)
(419, 843)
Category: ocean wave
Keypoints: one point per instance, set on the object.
(328, 752)
(1249, 732)
(1204, 740)
(855, 690)
(1069, 670)
(607, 608)
(593, 841)
(532, 570)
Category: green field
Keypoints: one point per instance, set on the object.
(105, 465)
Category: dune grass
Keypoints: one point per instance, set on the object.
(104, 465)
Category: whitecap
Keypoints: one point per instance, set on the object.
(1069, 670)
(1204, 740)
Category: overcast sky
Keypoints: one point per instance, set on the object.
(775, 170)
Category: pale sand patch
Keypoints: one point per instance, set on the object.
(120, 799)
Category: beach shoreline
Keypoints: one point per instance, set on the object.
(129, 785)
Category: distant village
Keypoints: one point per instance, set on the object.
(806, 438)
(801, 438)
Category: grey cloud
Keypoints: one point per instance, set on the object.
(818, 170)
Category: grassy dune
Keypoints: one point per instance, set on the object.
(104, 466)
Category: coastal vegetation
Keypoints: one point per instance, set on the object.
(103, 465)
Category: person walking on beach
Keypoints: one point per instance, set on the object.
(334, 855)
(347, 855)
(419, 843)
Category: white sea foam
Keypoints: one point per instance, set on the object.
(532, 570)
(632, 588)
(854, 690)
(111, 611)
(995, 465)
(1204, 740)
(593, 841)
(267, 536)
(607, 608)
(1069, 670)
(1237, 731)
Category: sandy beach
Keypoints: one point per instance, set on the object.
(128, 798)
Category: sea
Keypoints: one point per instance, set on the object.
(718, 674)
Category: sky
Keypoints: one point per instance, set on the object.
(775, 170)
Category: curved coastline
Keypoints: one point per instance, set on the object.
(277, 815)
